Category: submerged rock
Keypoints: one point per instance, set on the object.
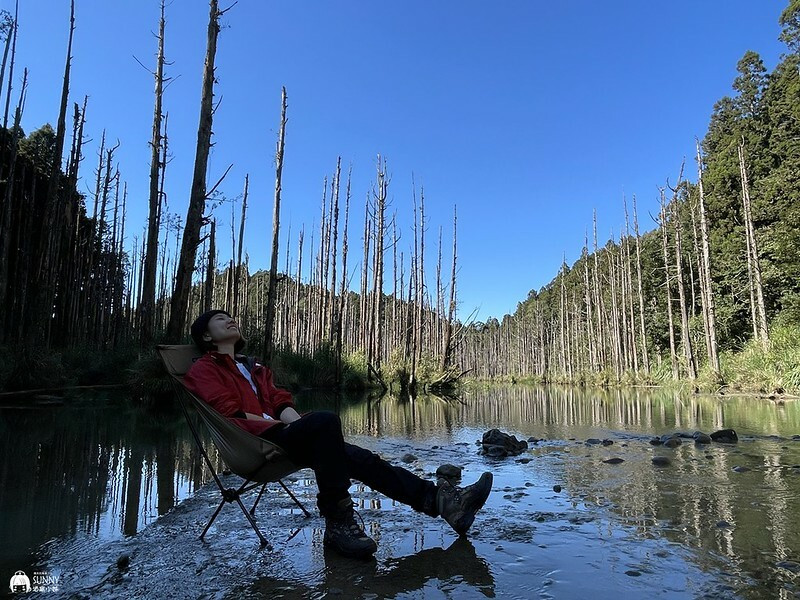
(608, 442)
(556, 488)
(593, 441)
(497, 444)
(673, 442)
(725, 436)
(614, 461)
(701, 438)
(408, 458)
(738, 469)
(661, 461)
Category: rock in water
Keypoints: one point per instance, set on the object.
(556, 488)
(448, 472)
(725, 436)
(614, 461)
(673, 442)
(408, 458)
(498, 444)
(701, 438)
(661, 461)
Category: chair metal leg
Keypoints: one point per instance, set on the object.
(264, 541)
(260, 493)
(214, 516)
(296, 501)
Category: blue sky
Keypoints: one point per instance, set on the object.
(527, 115)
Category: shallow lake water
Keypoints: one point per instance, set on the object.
(84, 481)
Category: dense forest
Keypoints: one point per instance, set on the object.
(718, 278)
(720, 274)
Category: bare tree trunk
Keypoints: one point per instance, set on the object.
(686, 340)
(211, 268)
(707, 294)
(12, 26)
(147, 306)
(276, 215)
(238, 275)
(599, 308)
(5, 223)
(382, 184)
(12, 33)
(642, 331)
(344, 291)
(672, 354)
(753, 261)
(451, 307)
(52, 228)
(197, 200)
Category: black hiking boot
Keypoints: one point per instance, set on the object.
(458, 506)
(345, 535)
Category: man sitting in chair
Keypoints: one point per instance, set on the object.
(242, 390)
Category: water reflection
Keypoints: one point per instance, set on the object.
(97, 468)
(94, 467)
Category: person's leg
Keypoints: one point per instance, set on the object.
(395, 482)
(315, 441)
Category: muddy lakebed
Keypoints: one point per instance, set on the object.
(109, 502)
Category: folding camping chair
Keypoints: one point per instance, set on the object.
(254, 459)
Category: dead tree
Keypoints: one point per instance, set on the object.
(148, 300)
(642, 330)
(237, 277)
(197, 200)
(706, 292)
(451, 307)
(664, 236)
(276, 212)
(758, 310)
(686, 340)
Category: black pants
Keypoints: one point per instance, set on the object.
(316, 441)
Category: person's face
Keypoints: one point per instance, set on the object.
(222, 329)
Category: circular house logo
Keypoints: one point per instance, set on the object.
(20, 582)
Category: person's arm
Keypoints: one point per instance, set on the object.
(278, 401)
(252, 417)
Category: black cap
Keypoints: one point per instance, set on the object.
(200, 326)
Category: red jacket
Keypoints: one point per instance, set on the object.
(216, 379)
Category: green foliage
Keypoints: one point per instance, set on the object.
(39, 148)
(775, 371)
(790, 24)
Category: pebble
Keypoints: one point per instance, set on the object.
(739, 469)
(673, 442)
(593, 441)
(723, 524)
(524, 461)
(608, 442)
(632, 573)
(614, 461)
(661, 461)
(556, 488)
(408, 458)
